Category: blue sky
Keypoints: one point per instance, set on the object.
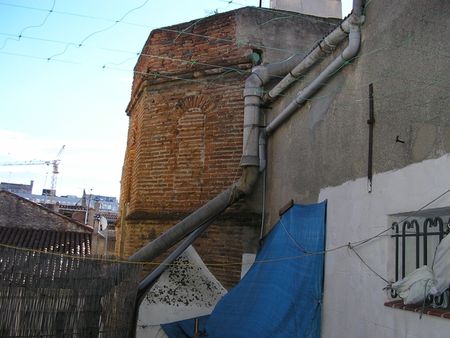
(55, 92)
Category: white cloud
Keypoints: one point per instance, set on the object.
(85, 163)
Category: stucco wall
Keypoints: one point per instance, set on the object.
(404, 53)
(322, 153)
(353, 295)
(279, 34)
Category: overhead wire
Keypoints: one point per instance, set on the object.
(368, 266)
(350, 245)
(353, 245)
(40, 58)
(167, 29)
(382, 78)
(121, 21)
(19, 35)
(387, 47)
(359, 243)
(87, 37)
(305, 253)
(85, 16)
(41, 24)
(237, 41)
(193, 61)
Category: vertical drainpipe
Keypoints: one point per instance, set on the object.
(254, 141)
(250, 165)
(252, 102)
(253, 99)
(253, 91)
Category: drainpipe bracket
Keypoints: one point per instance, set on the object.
(249, 161)
(253, 91)
(357, 20)
(267, 99)
(262, 73)
(326, 47)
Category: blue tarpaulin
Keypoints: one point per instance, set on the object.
(185, 328)
(281, 294)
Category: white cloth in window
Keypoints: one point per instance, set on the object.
(416, 286)
(441, 266)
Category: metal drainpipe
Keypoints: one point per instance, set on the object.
(211, 209)
(148, 281)
(326, 46)
(347, 54)
(254, 141)
(250, 158)
(249, 162)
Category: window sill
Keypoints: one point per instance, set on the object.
(398, 304)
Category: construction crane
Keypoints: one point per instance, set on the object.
(54, 163)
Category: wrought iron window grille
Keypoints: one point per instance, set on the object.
(416, 240)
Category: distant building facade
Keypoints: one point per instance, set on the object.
(17, 188)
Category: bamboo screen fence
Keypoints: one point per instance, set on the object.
(51, 295)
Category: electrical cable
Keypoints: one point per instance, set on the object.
(87, 37)
(40, 58)
(350, 245)
(56, 12)
(119, 63)
(19, 36)
(162, 29)
(301, 247)
(181, 32)
(359, 243)
(316, 98)
(367, 265)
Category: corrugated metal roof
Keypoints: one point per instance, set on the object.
(71, 243)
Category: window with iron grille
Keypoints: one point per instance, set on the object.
(415, 238)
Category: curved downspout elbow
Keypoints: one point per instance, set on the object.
(347, 54)
(250, 162)
(204, 214)
(323, 47)
(354, 42)
(253, 93)
(244, 186)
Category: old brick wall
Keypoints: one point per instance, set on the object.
(188, 148)
(17, 212)
(185, 138)
(221, 246)
(185, 135)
